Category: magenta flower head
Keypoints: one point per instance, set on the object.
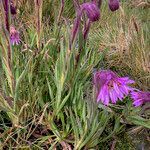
(110, 87)
(92, 11)
(14, 36)
(93, 14)
(113, 5)
(140, 97)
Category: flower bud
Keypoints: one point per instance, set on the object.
(13, 10)
(113, 5)
(93, 14)
(91, 10)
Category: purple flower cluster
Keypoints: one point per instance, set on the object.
(111, 88)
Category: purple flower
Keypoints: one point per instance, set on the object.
(110, 87)
(92, 11)
(93, 14)
(140, 97)
(14, 36)
(113, 5)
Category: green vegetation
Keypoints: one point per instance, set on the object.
(47, 99)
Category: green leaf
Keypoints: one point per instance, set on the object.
(18, 82)
(63, 102)
(137, 120)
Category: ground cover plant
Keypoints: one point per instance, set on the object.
(74, 74)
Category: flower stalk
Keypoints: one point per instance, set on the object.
(7, 16)
(61, 10)
(38, 11)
